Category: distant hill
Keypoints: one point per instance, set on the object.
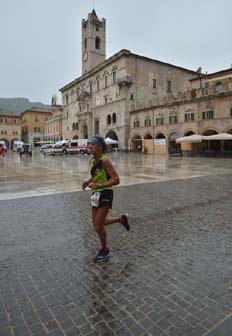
(18, 105)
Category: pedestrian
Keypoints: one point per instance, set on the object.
(103, 178)
(2, 151)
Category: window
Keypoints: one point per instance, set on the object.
(67, 128)
(108, 119)
(189, 117)
(97, 43)
(208, 115)
(106, 79)
(90, 88)
(87, 107)
(114, 118)
(169, 86)
(218, 87)
(77, 126)
(36, 118)
(36, 129)
(46, 119)
(131, 97)
(98, 85)
(173, 119)
(96, 126)
(66, 99)
(15, 121)
(231, 111)
(154, 83)
(114, 77)
(97, 28)
(73, 126)
(136, 123)
(106, 99)
(160, 121)
(147, 122)
(85, 43)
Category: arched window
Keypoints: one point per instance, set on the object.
(97, 43)
(77, 126)
(108, 119)
(114, 118)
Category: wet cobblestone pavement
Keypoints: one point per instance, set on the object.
(170, 275)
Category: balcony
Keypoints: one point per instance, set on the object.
(125, 81)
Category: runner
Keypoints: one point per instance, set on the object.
(103, 178)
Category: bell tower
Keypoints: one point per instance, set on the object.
(93, 42)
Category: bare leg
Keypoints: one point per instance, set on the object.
(99, 217)
(111, 220)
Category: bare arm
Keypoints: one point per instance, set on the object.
(86, 183)
(114, 178)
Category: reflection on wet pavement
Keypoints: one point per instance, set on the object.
(44, 175)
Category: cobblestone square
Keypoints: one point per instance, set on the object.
(170, 275)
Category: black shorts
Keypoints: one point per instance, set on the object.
(106, 198)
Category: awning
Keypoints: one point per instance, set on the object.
(220, 136)
(190, 139)
(110, 141)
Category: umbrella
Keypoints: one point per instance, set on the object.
(110, 141)
(190, 139)
(220, 136)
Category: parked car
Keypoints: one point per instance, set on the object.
(17, 145)
(57, 149)
(45, 147)
(79, 146)
(26, 150)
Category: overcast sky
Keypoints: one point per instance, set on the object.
(40, 40)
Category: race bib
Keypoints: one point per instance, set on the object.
(95, 199)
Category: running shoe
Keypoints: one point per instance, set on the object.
(102, 255)
(124, 221)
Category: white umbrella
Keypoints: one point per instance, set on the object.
(190, 139)
(220, 136)
(110, 141)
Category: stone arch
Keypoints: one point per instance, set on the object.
(188, 133)
(112, 135)
(228, 130)
(136, 143)
(6, 142)
(160, 136)
(172, 145)
(209, 131)
(75, 137)
(210, 145)
(148, 136)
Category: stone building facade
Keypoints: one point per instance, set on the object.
(53, 126)
(100, 101)
(205, 109)
(10, 128)
(33, 125)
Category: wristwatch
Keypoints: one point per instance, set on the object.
(100, 186)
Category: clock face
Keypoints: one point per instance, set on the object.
(85, 56)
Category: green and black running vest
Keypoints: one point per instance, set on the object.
(98, 173)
